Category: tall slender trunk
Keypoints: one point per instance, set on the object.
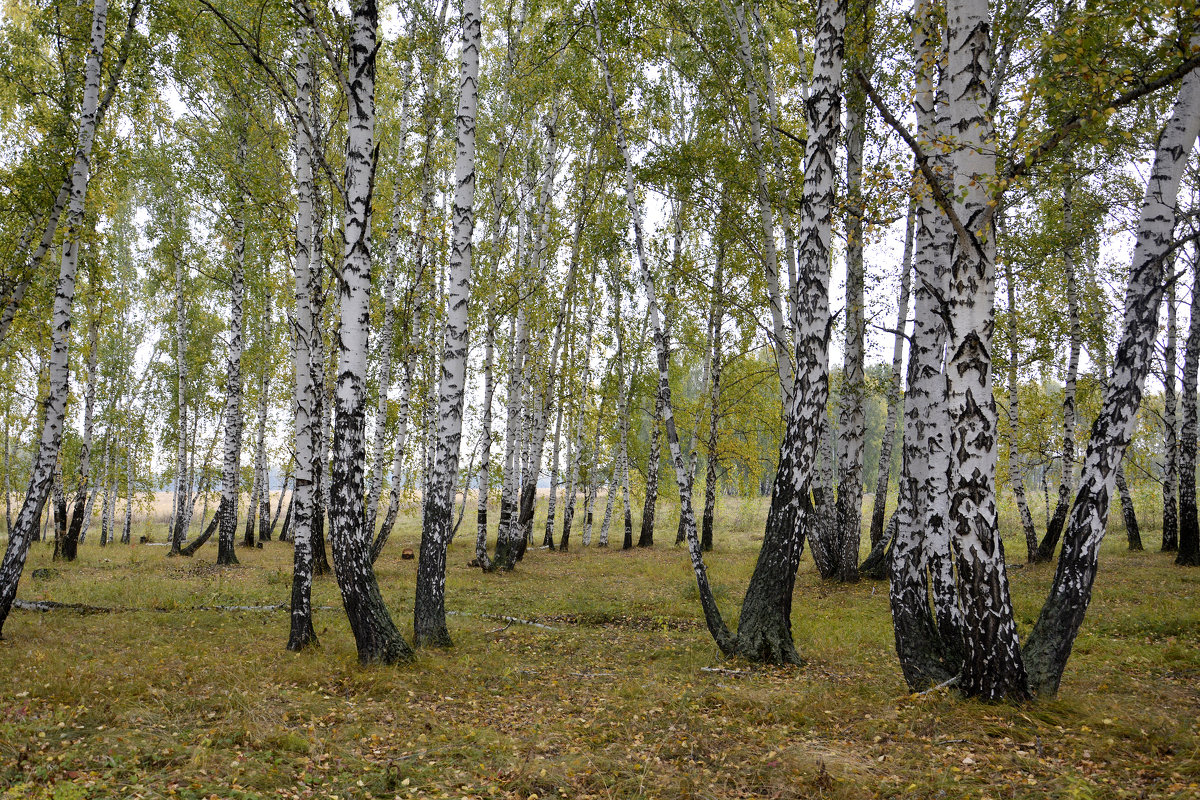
(1016, 463)
(321, 404)
(575, 450)
(712, 614)
(42, 471)
(1189, 526)
(764, 630)
(593, 479)
(714, 399)
(375, 635)
(82, 508)
(1170, 513)
(507, 533)
(255, 489)
(397, 474)
(429, 621)
(852, 421)
(1050, 643)
(556, 451)
(926, 638)
(127, 530)
(106, 503)
(780, 341)
(386, 343)
(1067, 480)
(261, 465)
(232, 462)
(895, 400)
(301, 633)
(485, 445)
(33, 261)
(627, 506)
(180, 524)
(543, 402)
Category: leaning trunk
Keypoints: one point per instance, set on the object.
(42, 471)
(1050, 644)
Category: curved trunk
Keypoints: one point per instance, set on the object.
(780, 340)
(43, 467)
(1016, 464)
(895, 400)
(1053, 636)
(712, 614)
(1049, 543)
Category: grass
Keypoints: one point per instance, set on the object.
(616, 699)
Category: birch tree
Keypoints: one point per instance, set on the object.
(43, 469)
(375, 635)
(429, 620)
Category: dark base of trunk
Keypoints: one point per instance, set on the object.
(199, 541)
(302, 635)
(285, 533)
(320, 559)
(1189, 534)
(228, 514)
(70, 541)
(875, 565)
(766, 638)
(429, 610)
(627, 541)
(877, 520)
(568, 518)
(1054, 528)
(646, 535)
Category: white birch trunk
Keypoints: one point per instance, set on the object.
(429, 622)
(1050, 644)
(42, 471)
(375, 635)
(302, 633)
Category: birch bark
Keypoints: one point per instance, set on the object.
(232, 461)
(1189, 526)
(301, 633)
(895, 401)
(82, 508)
(429, 623)
(1050, 643)
(1170, 514)
(375, 635)
(43, 468)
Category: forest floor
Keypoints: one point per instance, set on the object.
(619, 692)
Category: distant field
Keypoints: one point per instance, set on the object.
(618, 693)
